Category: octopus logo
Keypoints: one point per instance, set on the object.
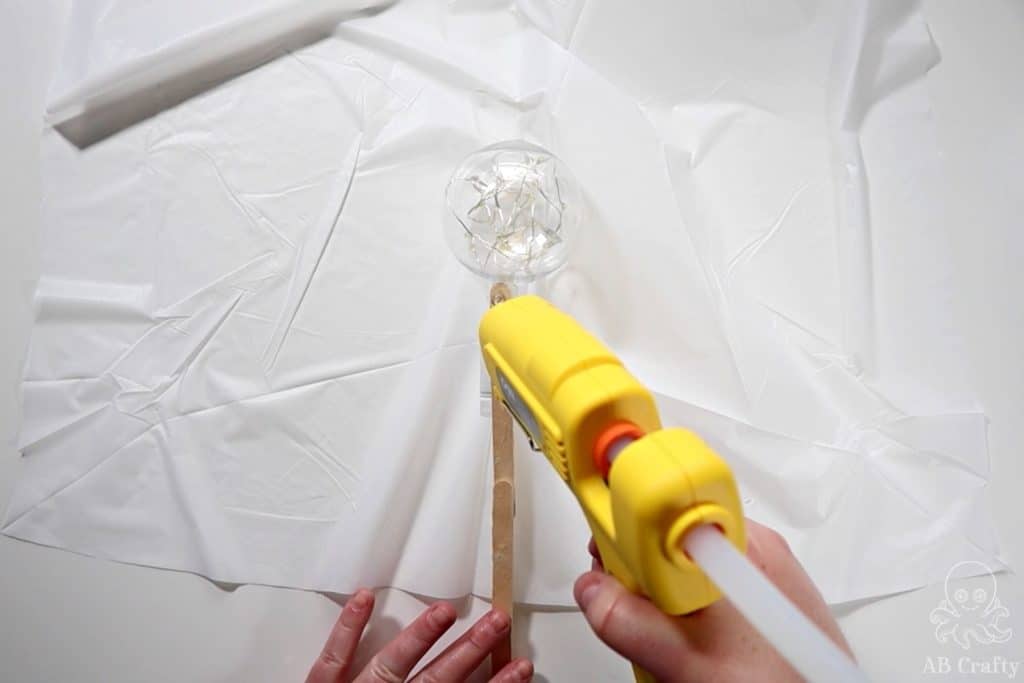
(970, 613)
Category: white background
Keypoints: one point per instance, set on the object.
(63, 616)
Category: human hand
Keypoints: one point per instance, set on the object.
(398, 658)
(715, 643)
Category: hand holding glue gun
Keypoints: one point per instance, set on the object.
(712, 644)
(665, 515)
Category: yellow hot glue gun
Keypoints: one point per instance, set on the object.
(647, 492)
(641, 487)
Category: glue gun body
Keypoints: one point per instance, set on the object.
(641, 487)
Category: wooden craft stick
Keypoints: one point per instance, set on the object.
(502, 510)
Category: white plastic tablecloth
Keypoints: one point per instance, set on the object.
(254, 359)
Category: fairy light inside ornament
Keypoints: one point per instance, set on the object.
(513, 212)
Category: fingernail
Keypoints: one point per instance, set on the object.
(524, 670)
(497, 623)
(587, 588)
(361, 600)
(440, 616)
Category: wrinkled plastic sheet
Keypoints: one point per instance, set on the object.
(254, 359)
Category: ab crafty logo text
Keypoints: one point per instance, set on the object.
(971, 618)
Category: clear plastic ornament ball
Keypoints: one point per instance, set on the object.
(513, 211)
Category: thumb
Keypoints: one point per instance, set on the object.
(632, 626)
